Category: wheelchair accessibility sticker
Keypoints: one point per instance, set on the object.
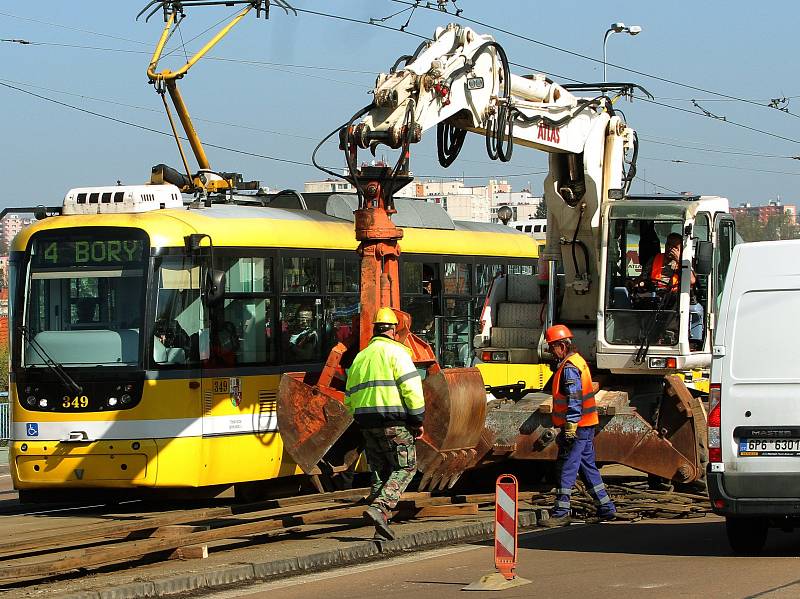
(32, 429)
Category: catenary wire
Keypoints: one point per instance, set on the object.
(427, 6)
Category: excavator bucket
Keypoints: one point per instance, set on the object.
(311, 419)
(455, 413)
(316, 427)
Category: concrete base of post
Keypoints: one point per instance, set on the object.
(496, 582)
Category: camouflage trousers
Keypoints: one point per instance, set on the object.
(392, 458)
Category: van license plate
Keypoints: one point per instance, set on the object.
(769, 447)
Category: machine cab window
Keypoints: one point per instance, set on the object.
(644, 276)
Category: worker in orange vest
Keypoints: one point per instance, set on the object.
(665, 269)
(575, 413)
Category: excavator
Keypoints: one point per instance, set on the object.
(601, 244)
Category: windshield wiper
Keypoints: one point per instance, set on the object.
(51, 364)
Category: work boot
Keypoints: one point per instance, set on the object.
(608, 517)
(376, 517)
(555, 521)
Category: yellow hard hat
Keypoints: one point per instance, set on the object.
(385, 316)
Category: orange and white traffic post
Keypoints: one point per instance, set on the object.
(505, 525)
(506, 530)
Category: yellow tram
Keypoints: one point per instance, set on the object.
(149, 335)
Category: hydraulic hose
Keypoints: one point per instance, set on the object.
(632, 169)
(449, 141)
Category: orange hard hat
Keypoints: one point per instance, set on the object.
(557, 332)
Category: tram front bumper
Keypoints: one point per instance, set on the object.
(118, 463)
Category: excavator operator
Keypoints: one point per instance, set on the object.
(664, 269)
(384, 395)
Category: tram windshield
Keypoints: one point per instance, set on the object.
(85, 297)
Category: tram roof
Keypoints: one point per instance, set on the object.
(324, 222)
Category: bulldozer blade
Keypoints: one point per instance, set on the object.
(311, 418)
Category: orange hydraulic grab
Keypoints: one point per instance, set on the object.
(317, 431)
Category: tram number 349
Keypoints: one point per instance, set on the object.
(79, 401)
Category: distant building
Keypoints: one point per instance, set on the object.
(762, 213)
(477, 203)
(10, 226)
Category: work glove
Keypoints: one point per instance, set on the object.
(570, 431)
(416, 431)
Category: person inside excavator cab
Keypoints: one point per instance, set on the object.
(661, 274)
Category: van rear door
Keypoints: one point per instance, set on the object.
(761, 373)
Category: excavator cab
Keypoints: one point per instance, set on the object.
(658, 280)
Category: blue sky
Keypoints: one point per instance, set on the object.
(93, 55)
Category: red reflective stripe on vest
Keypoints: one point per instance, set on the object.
(560, 401)
(657, 275)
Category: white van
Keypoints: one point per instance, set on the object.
(754, 410)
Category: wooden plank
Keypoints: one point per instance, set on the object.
(168, 532)
(489, 497)
(79, 534)
(439, 511)
(133, 549)
(190, 552)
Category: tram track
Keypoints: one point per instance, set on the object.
(125, 540)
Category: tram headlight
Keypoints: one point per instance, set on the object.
(126, 399)
(112, 401)
(43, 402)
(31, 400)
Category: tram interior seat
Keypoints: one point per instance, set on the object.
(96, 347)
(518, 327)
(167, 355)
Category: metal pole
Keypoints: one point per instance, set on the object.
(551, 293)
(605, 40)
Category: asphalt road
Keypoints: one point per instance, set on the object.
(687, 558)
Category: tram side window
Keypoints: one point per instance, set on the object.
(241, 332)
(456, 327)
(300, 329)
(342, 304)
(343, 274)
(242, 325)
(247, 274)
(301, 274)
(421, 289)
(484, 275)
(179, 313)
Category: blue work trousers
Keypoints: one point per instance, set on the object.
(576, 457)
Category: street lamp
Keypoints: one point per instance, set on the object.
(617, 28)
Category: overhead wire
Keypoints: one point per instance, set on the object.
(236, 150)
(368, 23)
(461, 16)
(275, 66)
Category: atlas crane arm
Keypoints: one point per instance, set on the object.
(463, 79)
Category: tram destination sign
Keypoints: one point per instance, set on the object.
(71, 252)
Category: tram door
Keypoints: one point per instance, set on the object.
(455, 325)
(421, 297)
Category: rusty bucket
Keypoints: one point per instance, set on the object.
(311, 419)
(455, 413)
(314, 423)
